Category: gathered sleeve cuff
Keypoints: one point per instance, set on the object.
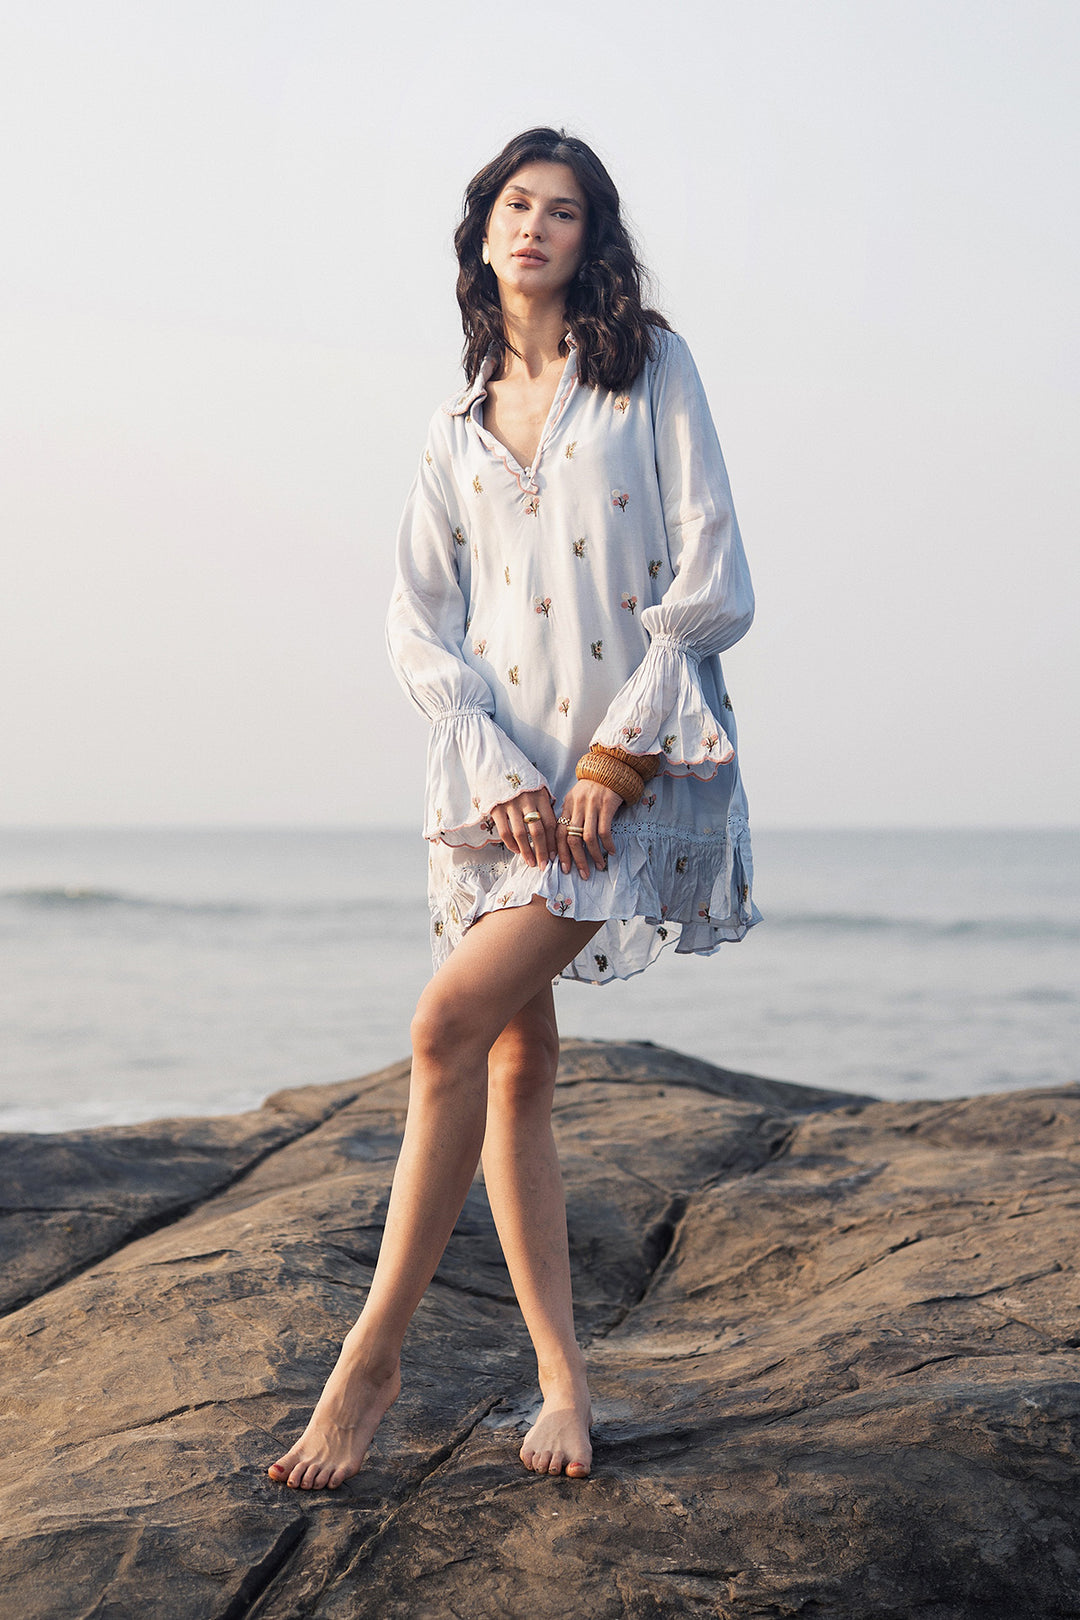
(662, 710)
(472, 764)
(709, 604)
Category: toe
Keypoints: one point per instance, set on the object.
(322, 1478)
(577, 1470)
(311, 1474)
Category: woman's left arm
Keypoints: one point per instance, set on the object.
(709, 604)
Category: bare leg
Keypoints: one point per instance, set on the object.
(525, 1191)
(504, 960)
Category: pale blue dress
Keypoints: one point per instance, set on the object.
(585, 598)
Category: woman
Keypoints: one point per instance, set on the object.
(568, 568)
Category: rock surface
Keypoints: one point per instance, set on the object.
(833, 1343)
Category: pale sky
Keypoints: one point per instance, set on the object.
(227, 313)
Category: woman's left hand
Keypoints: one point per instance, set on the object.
(592, 807)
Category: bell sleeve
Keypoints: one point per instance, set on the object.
(662, 708)
(472, 765)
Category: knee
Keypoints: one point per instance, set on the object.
(522, 1064)
(443, 1031)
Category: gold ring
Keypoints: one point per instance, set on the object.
(564, 821)
(532, 815)
(574, 832)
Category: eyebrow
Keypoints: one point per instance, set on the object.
(575, 202)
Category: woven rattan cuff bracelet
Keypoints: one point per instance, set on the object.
(646, 765)
(611, 773)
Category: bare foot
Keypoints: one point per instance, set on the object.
(333, 1446)
(558, 1442)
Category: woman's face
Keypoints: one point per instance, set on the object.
(536, 230)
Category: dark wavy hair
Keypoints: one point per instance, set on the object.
(604, 311)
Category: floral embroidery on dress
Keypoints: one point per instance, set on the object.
(438, 818)
(470, 865)
(427, 458)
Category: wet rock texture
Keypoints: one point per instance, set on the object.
(834, 1348)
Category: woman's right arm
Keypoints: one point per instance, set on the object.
(473, 766)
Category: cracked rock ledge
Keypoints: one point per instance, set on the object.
(833, 1343)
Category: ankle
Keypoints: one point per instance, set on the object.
(564, 1375)
(371, 1361)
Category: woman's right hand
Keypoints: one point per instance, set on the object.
(535, 841)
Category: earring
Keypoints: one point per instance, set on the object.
(484, 254)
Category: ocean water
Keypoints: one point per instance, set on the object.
(151, 972)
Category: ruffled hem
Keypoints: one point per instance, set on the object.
(663, 887)
(472, 766)
(662, 709)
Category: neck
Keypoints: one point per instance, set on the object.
(536, 331)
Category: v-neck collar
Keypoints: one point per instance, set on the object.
(469, 402)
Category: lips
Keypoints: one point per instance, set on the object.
(531, 257)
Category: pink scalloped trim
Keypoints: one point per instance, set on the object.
(725, 759)
(441, 838)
